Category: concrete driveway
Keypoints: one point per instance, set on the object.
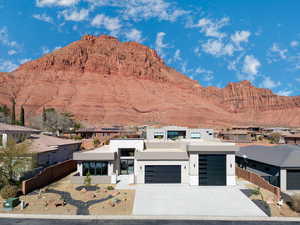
(166, 199)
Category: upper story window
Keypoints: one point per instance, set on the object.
(176, 134)
(127, 152)
(195, 135)
(159, 135)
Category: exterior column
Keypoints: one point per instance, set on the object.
(194, 169)
(80, 169)
(4, 140)
(283, 179)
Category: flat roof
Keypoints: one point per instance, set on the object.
(7, 128)
(44, 143)
(281, 155)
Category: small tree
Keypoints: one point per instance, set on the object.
(13, 111)
(274, 138)
(88, 180)
(12, 160)
(22, 116)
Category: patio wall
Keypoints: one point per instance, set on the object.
(48, 176)
(259, 181)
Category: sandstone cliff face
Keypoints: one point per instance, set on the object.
(103, 81)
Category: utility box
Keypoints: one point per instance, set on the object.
(11, 203)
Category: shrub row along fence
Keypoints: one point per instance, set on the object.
(48, 175)
(259, 181)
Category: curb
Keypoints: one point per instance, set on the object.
(115, 217)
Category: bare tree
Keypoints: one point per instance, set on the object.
(13, 160)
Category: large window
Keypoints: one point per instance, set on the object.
(95, 168)
(176, 134)
(127, 152)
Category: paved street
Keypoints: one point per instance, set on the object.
(184, 200)
(4, 221)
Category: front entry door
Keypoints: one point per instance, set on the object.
(127, 166)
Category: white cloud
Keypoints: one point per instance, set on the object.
(45, 50)
(146, 9)
(177, 55)
(159, 43)
(74, 15)
(294, 44)
(210, 27)
(12, 52)
(208, 75)
(251, 65)
(269, 83)
(64, 3)
(22, 61)
(7, 66)
(218, 48)
(275, 53)
(240, 36)
(197, 51)
(134, 35)
(284, 92)
(110, 23)
(56, 48)
(4, 39)
(43, 17)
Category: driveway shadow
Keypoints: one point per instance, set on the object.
(259, 203)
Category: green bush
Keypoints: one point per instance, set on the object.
(110, 188)
(9, 191)
(77, 137)
(295, 203)
(88, 179)
(256, 191)
(96, 142)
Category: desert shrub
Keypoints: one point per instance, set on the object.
(274, 138)
(96, 142)
(256, 191)
(295, 203)
(110, 188)
(9, 191)
(88, 179)
(77, 137)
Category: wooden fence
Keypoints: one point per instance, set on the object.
(48, 176)
(259, 181)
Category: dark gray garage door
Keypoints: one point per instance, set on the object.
(212, 170)
(162, 174)
(293, 179)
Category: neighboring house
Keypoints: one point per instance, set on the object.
(293, 139)
(280, 165)
(236, 136)
(18, 133)
(49, 150)
(175, 132)
(103, 132)
(197, 161)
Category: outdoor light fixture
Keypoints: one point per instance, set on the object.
(194, 165)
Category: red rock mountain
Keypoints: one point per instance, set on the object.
(103, 81)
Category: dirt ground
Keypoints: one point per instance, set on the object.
(269, 198)
(93, 202)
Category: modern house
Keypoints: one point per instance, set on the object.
(18, 133)
(280, 165)
(103, 132)
(167, 155)
(236, 136)
(293, 139)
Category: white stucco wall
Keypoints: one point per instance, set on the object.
(194, 169)
(140, 172)
(230, 170)
(115, 145)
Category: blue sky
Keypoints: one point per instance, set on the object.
(212, 41)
